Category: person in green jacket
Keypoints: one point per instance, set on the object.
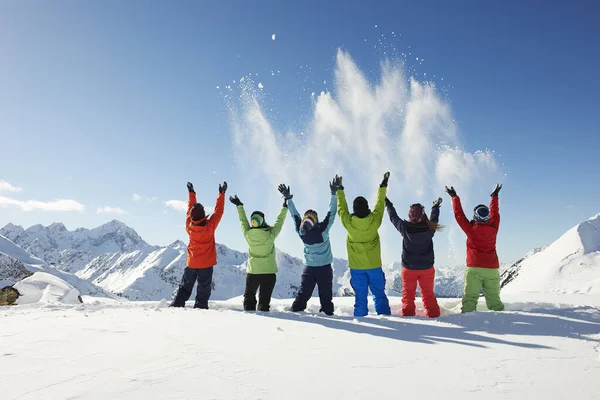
(262, 264)
(364, 249)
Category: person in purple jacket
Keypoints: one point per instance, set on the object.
(417, 255)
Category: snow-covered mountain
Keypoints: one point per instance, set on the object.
(114, 257)
(569, 265)
(16, 264)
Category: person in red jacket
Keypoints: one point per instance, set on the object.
(483, 268)
(202, 252)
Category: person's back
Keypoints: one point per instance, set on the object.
(482, 259)
(418, 256)
(261, 251)
(201, 250)
(317, 251)
(481, 243)
(364, 249)
(262, 261)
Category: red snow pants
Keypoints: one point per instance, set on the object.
(425, 279)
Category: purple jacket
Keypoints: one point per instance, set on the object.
(417, 240)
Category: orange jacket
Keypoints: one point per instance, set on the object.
(202, 251)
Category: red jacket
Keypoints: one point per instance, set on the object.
(481, 237)
(202, 251)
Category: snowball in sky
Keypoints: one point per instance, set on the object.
(273, 37)
(260, 85)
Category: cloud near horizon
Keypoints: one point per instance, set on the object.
(181, 206)
(111, 210)
(61, 205)
(177, 205)
(7, 187)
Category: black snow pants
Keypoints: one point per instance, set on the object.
(322, 277)
(266, 283)
(190, 276)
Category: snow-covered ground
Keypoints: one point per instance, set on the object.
(543, 347)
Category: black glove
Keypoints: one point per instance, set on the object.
(285, 192)
(190, 187)
(437, 203)
(384, 182)
(235, 200)
(338, 182)
(388, 203)
(223, 187)
(333, 186)
(285, 203)
(496, 190)
(451, 191)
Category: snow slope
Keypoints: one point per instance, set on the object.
(142, 350)
(569, 265)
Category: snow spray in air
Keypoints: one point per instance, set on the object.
(360, 130)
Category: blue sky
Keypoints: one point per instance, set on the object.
(101, 100)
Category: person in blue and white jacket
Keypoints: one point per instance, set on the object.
(317, 251)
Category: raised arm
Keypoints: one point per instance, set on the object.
(191, 202)
(294, 214)
(216, 216)
(279, 222)
(330, 218)
(459, 214)
(494, 207)
(495, 212)
(380, 202)
(398, 222)
(343, 208)
(379, 205)
(243, 219)
(435, 211)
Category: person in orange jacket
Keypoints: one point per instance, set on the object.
(202, 252)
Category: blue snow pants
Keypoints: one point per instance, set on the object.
(364, 279)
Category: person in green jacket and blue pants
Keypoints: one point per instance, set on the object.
(364, 248)
(262, 263)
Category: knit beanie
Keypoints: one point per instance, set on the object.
(257, 219)
(197, 212)
(361, 207)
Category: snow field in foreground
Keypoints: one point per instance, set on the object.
(104, 349)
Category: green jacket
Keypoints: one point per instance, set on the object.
(364, 249)
(261, 255)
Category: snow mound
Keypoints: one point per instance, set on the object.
(569, 265)
(42, 287)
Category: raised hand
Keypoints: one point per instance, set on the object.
(333, 186)
(235, 200)
(384, 182)
(223, 187)
(285, 191)
(190, 187)
(338, 182)
(451, 191)
(437, 203)
(388, 203)
(496, 190)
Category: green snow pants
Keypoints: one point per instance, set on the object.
(477, 278)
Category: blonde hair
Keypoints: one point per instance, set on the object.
(434, 226)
